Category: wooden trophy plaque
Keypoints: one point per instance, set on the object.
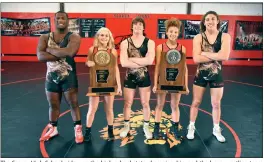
(102, 74)
(172, 72)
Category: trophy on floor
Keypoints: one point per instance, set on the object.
(102, 74)
(172, 72)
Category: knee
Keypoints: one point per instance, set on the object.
(91, 111)
(216, 104)
(160, 106)
(128, 105)
(174, 105)
(73, 104)
(145, 105)
(54, 105)
(196, 103)
(109, 111)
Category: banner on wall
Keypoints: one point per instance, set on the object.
(162, 29)
(25, 27)
(74, 25)
(192, 28)
(249, 35)
(89, 27)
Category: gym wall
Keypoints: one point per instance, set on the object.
(118, 17)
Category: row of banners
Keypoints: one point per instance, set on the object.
(248, 33)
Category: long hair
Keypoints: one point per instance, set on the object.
(111, 42)
(202, 26)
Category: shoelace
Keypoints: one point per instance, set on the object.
(218, 130)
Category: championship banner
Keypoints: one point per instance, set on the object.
(25, 27)
(249, 35)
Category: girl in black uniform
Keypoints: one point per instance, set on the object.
(137, 52)
(210, 48)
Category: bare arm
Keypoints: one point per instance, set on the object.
(125, 62)
(197, 57)
(118, 80)
(44, 56)
(157, 66)
(88, 62)
(223, 54)
(71, 49)
(148, 60)
(186, 68)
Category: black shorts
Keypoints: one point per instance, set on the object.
(70, 82)
(132, 82)
(218, 83)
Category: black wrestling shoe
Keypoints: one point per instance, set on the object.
(176, 132)
(111, 135)
(87, 137)
(156, 133)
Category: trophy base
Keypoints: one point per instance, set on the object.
(105, 91)
(171, 89)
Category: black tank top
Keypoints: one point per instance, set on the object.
(133, 51)
(210, 70)
(57, 71)
(64, 44)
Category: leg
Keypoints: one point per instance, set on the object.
(71, 97)
(144, 93)
(129, 94)
(174, 103)
(198, 92)
(72, 100)
(175, 114)
(128, 97)
(216, 96)
(160, 105)
(108, 106)
(54, 100)
(93, 106)
(158, 112)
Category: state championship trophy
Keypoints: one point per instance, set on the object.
(172, 72)
(102, 74)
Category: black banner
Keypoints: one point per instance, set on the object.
(89, 27)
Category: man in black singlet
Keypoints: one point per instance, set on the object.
(137, 52)
(210, 48)
(58, 50)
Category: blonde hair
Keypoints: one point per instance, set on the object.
(111, 42)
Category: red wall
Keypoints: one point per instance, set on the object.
(121, 26)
